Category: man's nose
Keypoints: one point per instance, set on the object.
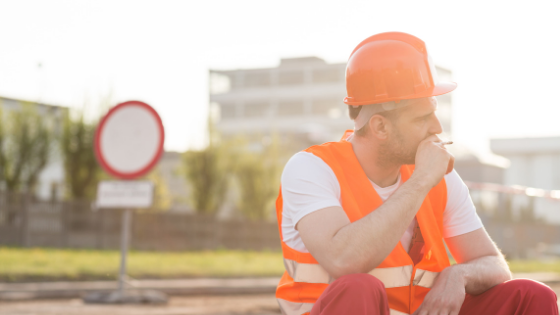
(435, 127)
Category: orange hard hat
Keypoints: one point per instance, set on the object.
(391, 66)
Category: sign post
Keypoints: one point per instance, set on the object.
(128, 144)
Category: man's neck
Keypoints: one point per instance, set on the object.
(382, 174)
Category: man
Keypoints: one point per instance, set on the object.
(364, 221)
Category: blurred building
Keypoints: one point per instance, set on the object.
(535, 162)
(301, 101)
(51, 179)
(474, 169)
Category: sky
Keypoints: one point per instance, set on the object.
(505, 55)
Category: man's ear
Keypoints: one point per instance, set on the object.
(379, 127)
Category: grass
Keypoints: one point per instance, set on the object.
(37, 264)
(41, 264)
(535, 266)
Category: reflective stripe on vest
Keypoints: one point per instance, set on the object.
(395, 312)
(394, 277)
(293, 308)
(391, 277)
(308, 273)
(425, 278)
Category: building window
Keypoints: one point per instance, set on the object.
(290, 108)
(257, 79)
(256, 109)
(326, 75)
(290, 77)
(227, 111)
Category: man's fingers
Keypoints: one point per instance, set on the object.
(421, 311)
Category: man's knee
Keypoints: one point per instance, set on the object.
(360, 282)
(530, 289)
(353, 294)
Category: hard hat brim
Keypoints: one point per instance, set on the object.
(443, 88)
(440, 88)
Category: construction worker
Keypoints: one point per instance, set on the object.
(364, 221)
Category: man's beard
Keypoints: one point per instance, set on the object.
(397, 151)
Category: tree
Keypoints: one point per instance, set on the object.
(206, 171)
(258, 176)
(162, 195)
(80, 165)
(26, 141)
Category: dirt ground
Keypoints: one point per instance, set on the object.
(264, 304)
(207, 305)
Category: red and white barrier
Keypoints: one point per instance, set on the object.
(515, 189)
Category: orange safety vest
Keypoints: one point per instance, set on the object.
(406, 284)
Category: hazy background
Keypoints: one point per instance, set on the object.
(504, 54)
(213, 214)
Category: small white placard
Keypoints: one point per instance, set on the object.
(125, 194)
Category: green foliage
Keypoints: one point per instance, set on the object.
(258, 175)
(253, 171)
(80, 165)
(206, 171)
(162, 196)
(26, 141)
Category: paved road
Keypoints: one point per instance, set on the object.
(256, 304)
(263, 304)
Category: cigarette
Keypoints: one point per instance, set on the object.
(444, 142)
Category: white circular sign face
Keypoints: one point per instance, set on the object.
(129, 139)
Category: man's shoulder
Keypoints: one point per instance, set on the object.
(453, 180)
(305, 166)
(304, 161)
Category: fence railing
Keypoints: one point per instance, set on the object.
(31, 223)
(523, 221)
(513, 219)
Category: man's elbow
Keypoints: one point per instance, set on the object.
(501, 272)
(341, 267)
(505, 275)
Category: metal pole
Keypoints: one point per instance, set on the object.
(125, 234)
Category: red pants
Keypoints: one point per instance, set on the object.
(365, 294)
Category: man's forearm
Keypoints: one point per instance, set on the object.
(381, 230)
(480, 274)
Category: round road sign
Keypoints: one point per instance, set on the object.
(129, 140)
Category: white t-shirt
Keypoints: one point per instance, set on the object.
(309, 184)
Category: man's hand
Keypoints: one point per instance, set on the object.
(446, 296)
(433, 161)
(480, 267)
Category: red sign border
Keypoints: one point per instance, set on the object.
(97, 145)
